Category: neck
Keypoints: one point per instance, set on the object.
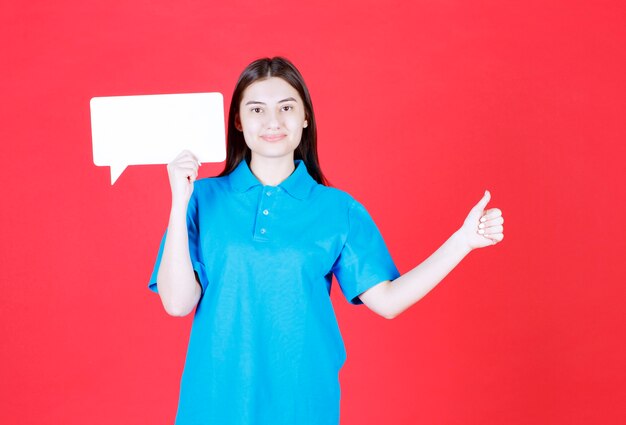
(272, 171)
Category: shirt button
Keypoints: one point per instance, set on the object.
(263, 231)
(265, 212)
(268, 193)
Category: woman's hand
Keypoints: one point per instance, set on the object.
(482, 227)
(183, 171)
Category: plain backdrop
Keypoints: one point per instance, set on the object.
(421, 107)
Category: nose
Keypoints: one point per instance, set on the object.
(272, 120)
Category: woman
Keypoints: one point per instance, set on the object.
(254, 251)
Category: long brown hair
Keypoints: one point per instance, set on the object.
(236, 148)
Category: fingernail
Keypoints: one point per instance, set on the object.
(483, 219)
(481, 225)
(481, 232)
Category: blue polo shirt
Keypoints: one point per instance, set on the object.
(265, 346)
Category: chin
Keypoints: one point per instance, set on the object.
(278, 152)
(274, 155)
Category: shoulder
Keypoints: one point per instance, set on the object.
(345, 207)
(216, 183)
(208, 188)
(331, 193)
(333, 197)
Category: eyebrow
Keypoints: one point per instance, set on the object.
(256, 102)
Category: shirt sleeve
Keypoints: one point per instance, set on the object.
(195, 249)
(364, 260)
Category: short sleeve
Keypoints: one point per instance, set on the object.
(364, 260)
(195, 250)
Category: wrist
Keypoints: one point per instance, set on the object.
(178, 210)
(460, 243)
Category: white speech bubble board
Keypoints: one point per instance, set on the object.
(154, 129)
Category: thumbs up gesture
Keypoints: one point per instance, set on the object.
(483, 227)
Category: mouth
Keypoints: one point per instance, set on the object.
(273, 137)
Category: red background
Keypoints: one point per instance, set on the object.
(421, 106)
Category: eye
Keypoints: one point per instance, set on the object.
(256, 110)
(286, 108)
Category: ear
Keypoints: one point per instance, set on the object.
(238, 123)
(305, 124)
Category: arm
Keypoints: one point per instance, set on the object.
(390, 298)
(480, 229)
(178, 288)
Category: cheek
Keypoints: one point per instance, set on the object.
(250, 125)
(295, 122)
(249, 130)
(297, 134)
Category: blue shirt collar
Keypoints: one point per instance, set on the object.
(298, 184)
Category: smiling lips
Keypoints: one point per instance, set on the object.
(273, 137)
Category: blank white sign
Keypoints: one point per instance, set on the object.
(154, 129)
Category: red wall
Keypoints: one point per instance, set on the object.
(421, 106)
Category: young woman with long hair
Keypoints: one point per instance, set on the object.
(254, 249)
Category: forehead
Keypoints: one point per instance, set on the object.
(270, 90)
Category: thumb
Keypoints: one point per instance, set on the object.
(480, 206)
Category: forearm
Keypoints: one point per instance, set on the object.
(176, 279)
(412, 286)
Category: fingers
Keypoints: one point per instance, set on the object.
(483, 202)
(190, 174)
(490, 214)
(187, 164)
(491, 230)
(491, 225)
(487, 222)
(495, 238)
(185, 160)
(182, 171)
(186, 156)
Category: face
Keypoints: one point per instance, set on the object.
(271, 117)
